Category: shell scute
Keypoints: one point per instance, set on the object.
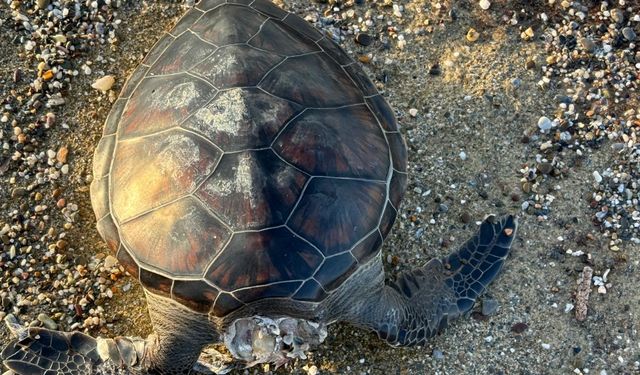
(310, 291)
(220, 26)
(181, 237)
(167, 166)
(388, 218)
(275, 37)
(252, 190)
(109, 232)
(158, 49)
(184, 53)
(397, 188)
(362, 81)
(113, 118)
(154, 282)
(236, 66)
(134, 79)
(326, 85)
(269, 9)
(340, 142)
(335, 270)
(333, 214)
(334, 51)
(99, 191)
(206, 5)
(241, 119)
(225, 304)
(278, 290)
(398, 151)
(161, 103)
(196, 294)
(265, 257)
(302, 26)
(383, 113)
(127, 261)
(186, 21)
(367, 248)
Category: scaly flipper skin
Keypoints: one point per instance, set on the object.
(46, 352)
(422, 302)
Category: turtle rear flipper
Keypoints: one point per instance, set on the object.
(423, 301)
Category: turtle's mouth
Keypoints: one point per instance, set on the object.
(259, 339)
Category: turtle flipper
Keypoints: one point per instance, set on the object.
(423, 301)
(40, 351)
(46, 352)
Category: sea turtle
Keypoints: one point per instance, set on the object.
(247, 176)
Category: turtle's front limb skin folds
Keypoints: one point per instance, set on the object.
(422, 302)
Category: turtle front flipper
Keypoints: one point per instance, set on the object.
(423, 301)
(40, 351)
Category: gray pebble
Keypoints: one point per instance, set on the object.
(47, 322)
(437, 354)
(489, 306)
(629, 34)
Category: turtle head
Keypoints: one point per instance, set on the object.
(259, 339)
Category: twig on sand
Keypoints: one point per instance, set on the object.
(582, 293)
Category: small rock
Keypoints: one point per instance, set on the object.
(587, 44)
(519, 327)
(485, 4)
(110, 262)
(629, 34)
(545, 124)
(364, 39)
(472, 35)
(463, 155)
(47, 322)
(597, 177)
(41, 5)
(437, 354)
(489, 306)
(530, 64)
(62, 154)
(466, 217)
(545, 168)
(413, 112)
(104, 84)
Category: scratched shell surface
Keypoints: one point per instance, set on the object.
(247, 160)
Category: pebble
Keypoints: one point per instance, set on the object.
(47, 322)
(519, 327)
(364, 39)
(545, 124)
(629, 34)
(489, 306)
(104, 84)
(472, 35)
(62, 154)
(597, 177)
(463, 155)
(110, 262)
(437, 354)
(413, 112)
(485, 4)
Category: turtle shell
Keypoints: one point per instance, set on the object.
(247, 157)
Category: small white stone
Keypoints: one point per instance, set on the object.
(413, 112)
(544, 123)
(463, 155)
(485, 4)
(104, 84)
(546, 346)
(597, 177)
